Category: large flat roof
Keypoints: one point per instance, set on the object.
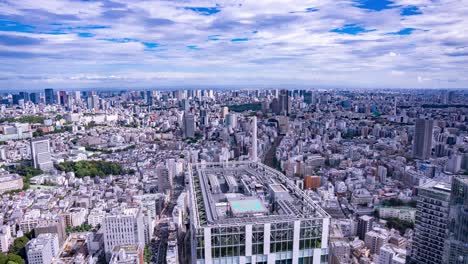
(236, 193)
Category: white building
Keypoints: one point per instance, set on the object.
(5, 238)
(402, 213)
(131, 254)
(10, 182)
(123, 227)
(390, 254)
(43, 249)
(40, 152)
(96, 216)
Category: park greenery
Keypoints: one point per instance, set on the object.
(27, 172)
(10, 259)
(246, 107)
(93, 168)
(81, 228)
(400, 225)
(23, 119)
(398, 202)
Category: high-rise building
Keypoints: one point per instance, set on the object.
(40, 152)
(254, 139)
(284, 102)
(456, 246)
(49, 96)
(123, 227)
(35, 97)
(231, 120)
(164, 178)
(258, 216)
(422, 141)
(365, 224)
(5, 238)
(149, 97)
(430, 229)
(189, 125)
(43, 249)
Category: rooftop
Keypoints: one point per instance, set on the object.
(246, 192)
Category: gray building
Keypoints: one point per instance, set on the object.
(246, 212)
(422, 141)
(457, 243)
(430, 229)
(189, 125)
(43, 249)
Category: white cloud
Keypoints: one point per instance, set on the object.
(285, 44)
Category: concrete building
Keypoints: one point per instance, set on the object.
(5, 238)
(365, 224)
(189, 125)
(130, 254)
(49, 96)
(422, 141)
(123, 227)
(268, 219)
(10, 182)
(390, 254)
(456, 247)
(254, 140)
(430, 229)
(43, 249)
(40, 152)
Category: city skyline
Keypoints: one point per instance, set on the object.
(239, 44)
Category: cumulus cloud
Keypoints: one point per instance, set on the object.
(240, 43)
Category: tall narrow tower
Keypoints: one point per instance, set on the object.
(254, 139)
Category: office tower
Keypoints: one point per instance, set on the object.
(284, 102)
(43, 249)
(308, 97)
(164, 178)
(231, 120)
(456, 247)
(149, 97)
(365, 224)
(49, 96)
(63, 98)
(422, 141)
(93, 102)
(431, 223)
(258, 216)
(40, 152)
(25, 96)
(189, 125)
(203, 118)
(254, 139)
(35, 98)
(77, 96)
(123, 227)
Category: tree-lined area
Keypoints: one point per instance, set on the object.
(93, 168)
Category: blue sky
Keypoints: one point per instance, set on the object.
(246, 44)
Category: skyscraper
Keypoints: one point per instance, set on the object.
(254, 139)
(422, 141)
(49, 96)
(430, 229)
(189, 125)
(456, 246)
(284, 102)
(40, 152)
